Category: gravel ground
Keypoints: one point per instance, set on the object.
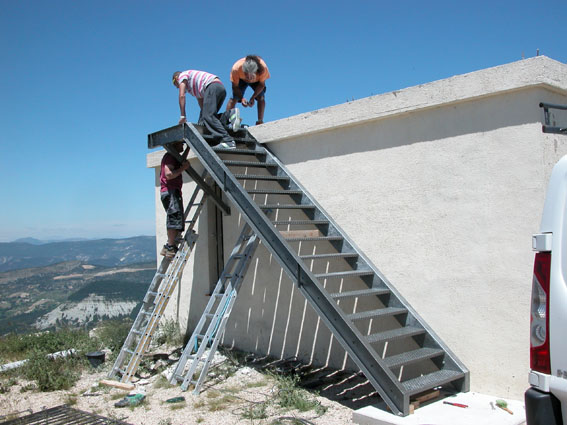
(246, 395)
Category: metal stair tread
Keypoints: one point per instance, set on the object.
(346, 273)
(300, 222)
(360, 293)
(412, 356)
(259, 177)
(391, 335)
(275, 191)
(314, 238)
(331, 255)
(234, 163)
(238, 151)
(432, 380)
(286, 206)
(380, 312)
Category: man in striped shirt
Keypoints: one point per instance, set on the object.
(210, 94)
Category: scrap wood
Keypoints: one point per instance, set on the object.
(116, 384)
(417, 401)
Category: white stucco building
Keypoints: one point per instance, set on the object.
(441, 185)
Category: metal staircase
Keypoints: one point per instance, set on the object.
(395, 349)
(210, 328)
(156, 299)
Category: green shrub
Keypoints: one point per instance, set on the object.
(290, 396)
(52, 374)
(19, 347)
(169, 333)
(113, 333)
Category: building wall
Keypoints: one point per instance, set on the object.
(441, 186)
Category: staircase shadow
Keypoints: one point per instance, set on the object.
(350, 389)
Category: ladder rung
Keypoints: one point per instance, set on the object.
(361, 293)
(129, 351)
(394, 334)
(381, 312)
(348, 273)
(137, 332)
(414, 356)
(259, 177)
(178, 377)
(432, 380)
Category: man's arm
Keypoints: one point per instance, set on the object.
(258, 90)
(238, 93)
(171, 173)
(182, 87)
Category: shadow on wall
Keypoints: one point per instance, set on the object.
(271, 317)
(477, 116)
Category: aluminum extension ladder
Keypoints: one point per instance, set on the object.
(157, 297)
(393, 346)
(216, 314)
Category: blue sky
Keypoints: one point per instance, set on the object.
(83, 83)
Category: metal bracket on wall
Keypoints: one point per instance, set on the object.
(547, 127)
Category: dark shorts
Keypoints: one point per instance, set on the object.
(173, 205)
(242, 85)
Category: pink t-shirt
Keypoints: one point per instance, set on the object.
(197, 81)
(169, 185)
(237, 73)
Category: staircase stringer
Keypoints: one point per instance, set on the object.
(348, 336)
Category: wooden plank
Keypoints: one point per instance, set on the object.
(427, 396)
(416, 402)
(116, 384)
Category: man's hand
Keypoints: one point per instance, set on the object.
(184, 165)
(244, 102)
(251, 102)
(182, 120)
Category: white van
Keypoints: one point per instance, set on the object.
(546, 399)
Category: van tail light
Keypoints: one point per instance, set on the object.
(539, 322)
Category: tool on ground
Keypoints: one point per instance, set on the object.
(455, 404)
(503, 405)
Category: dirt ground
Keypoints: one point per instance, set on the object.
(243, 394)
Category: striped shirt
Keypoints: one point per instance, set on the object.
(197, 81)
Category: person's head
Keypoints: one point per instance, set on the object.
(252, 67)
(175, 78)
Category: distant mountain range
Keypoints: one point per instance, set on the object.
(71, 293)
(34, 241)
(30, 252)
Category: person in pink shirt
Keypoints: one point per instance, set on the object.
(253, 72)
(210, 94)
(171, 182)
